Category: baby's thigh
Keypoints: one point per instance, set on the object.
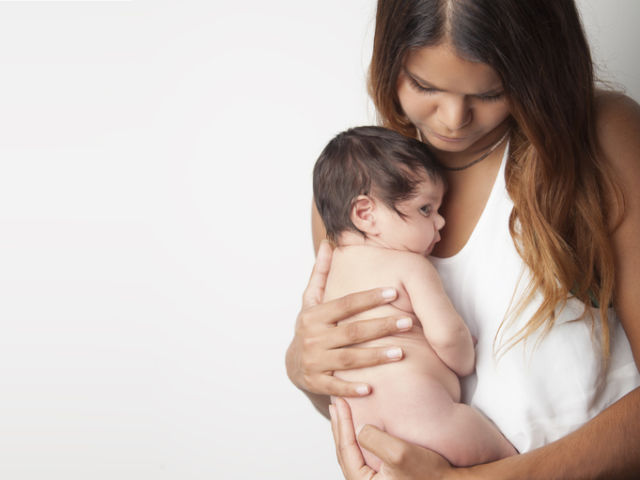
(366, 411)
(400, 396)
(423, 412)
(400, 393)
(414, 407)
(408, 404)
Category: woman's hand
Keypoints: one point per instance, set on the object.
(316, 350)
(401, 460)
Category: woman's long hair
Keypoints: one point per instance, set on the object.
(561, 189)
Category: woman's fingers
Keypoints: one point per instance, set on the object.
(313, 356)
(317, 349)
(353, 358)
(321, 353)
(337, 387)
(402, 459)
(343, 307)
(349, 305)
(318, 379)
(349, 455)
(364, 330)
(389, 449)
(330, 313)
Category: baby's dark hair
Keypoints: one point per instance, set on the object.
(368, 161)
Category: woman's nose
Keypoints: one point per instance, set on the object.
(454, 113)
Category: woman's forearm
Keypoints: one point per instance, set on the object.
(606, 447)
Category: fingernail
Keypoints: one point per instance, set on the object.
(394, 353)
(362, 389)
(389, 293)
(404, 323)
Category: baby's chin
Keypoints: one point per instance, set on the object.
(424, 253)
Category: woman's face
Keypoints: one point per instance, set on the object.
(456, 104)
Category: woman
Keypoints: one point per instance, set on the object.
(541, 239)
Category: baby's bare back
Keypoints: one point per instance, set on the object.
(358, 268)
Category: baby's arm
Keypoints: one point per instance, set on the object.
(445, 330)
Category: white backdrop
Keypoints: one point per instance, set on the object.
(155, 186)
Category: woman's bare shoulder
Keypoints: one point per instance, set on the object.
(619, 136)
(618, 127)
(617, 120)
(613, 100)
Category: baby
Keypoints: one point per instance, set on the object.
(378, 194)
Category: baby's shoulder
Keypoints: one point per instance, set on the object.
(410, 266)
(378, 254)
(411, 260)
(361, 258)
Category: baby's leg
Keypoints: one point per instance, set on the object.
(421, 411)
(366, 411)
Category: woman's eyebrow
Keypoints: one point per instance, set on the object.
(423, 83)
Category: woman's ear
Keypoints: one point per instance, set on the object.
(363, 214)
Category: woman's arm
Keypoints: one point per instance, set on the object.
(319, 346)
(608, 445)
(619, 135)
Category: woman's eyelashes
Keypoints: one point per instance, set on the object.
(420, 88)
(429, 91)
(494, 97)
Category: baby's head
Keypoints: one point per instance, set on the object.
(381, 186)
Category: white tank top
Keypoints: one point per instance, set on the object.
(535, 394)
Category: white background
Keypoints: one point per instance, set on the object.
(155, 186)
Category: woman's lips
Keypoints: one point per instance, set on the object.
(448, 139)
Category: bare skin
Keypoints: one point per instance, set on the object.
(605, 447)
(315, 351)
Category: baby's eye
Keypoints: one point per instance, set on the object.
(425, 210)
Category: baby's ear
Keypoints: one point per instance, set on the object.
(363, 214)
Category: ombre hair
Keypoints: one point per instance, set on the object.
(564, 194)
